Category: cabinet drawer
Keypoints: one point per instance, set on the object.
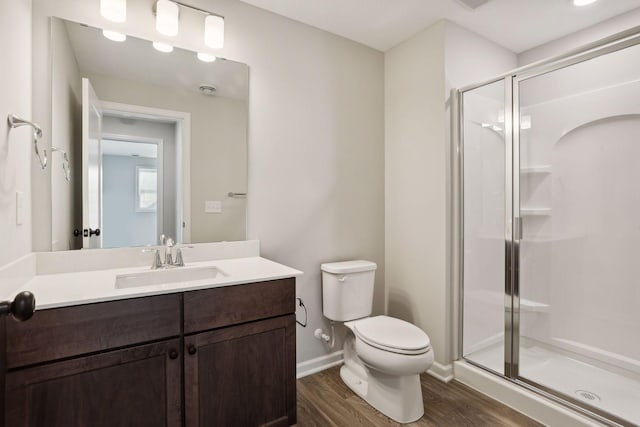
(69, 331)
(214, 308)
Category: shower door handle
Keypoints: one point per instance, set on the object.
(517, 228)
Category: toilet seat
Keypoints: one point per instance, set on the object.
(393, 335)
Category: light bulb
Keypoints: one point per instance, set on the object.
(167, 13)
(114, 35)
(163, 47)
(214, 31)
(114, 10)
(583, 2)
(206, 57)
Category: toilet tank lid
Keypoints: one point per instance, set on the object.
(346, 267)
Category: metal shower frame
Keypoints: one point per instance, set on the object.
(512, 232)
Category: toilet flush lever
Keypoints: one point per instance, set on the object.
(342, 279)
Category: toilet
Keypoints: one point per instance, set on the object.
(383, 356)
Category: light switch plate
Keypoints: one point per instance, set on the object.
(213, 206)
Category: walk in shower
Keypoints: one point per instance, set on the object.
(550, 226)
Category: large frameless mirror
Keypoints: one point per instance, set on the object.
(149, 140)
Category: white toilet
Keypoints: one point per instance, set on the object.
(383, 356)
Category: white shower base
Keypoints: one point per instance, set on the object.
(609, 391)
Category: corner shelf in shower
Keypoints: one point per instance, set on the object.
(535, 211)
(529, 306)
(540, 169)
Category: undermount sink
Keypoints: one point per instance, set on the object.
(168, 276)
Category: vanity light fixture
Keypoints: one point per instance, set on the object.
(214, 31)
(583, 2)
(167, 22)
(167, 13)
(206, 57)
(114, 10)
(163, 47)
(114, 35)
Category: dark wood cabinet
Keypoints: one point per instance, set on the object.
(138, 386)
(242, 375)
(213, 357)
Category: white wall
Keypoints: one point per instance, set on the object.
(594, 33)
(66, 128)
(316, 132)
(418, 75)
(415, 175)
(16, 146)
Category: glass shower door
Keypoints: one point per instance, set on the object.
(484, 171)
(578, 199)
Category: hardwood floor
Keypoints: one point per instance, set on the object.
(324, 400)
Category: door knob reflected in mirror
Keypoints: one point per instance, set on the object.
(21, 308)
(87, 232)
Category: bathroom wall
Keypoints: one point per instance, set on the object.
(415, 184)
(66, 134)
(418, 76)
(16, 145)
(316, 139)
(594, 33)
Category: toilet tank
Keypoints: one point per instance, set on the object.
(347, 289)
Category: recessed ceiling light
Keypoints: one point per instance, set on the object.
(206, 57)
(114, 35)
(163, 47)
(583, 2)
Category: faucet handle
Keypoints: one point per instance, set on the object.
(157, 262)
(179, 260)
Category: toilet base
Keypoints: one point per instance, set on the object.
(397, 397)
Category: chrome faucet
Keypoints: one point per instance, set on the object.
(168, 256)
(168, 244)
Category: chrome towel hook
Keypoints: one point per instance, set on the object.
(15, 121)
(66, 168)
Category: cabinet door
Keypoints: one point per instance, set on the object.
(242, 375)
(138, 386)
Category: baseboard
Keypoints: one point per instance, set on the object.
(442, 372)
(526, 402)
(310, 367)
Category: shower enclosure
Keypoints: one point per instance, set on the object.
(550, 227)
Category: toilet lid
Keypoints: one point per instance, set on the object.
(391, 333)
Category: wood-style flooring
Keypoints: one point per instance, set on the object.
(324, 400)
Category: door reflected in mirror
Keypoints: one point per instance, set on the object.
(154, 140)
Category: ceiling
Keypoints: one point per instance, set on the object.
(134, 58)
(518, 25)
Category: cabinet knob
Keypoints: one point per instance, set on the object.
(192, 349)
(21, 308)
(173, 354)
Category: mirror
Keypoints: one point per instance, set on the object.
(144, 142)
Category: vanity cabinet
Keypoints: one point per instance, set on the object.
(242, 375)
(215, 357)
(137, 386)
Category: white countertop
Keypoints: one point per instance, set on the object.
(67, 289)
